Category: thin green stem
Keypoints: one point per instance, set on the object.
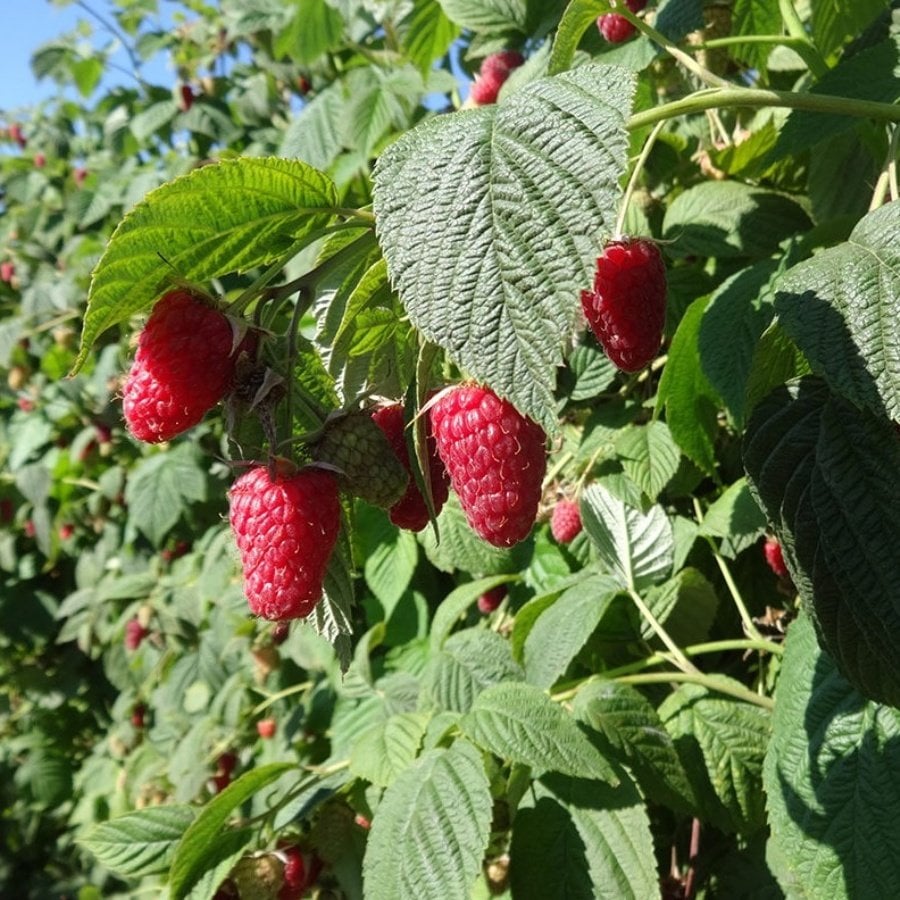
(680, 659)
(635, 175)
(747, 621)
(280, 695)
(721, 98)
(733, 40)
(805, 46)
(733, 689)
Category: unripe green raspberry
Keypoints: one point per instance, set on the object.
(258, 877)
(368, 467)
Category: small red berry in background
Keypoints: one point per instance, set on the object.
(134, 634)
(490, 600)
(7, 271)
(616, 28)
(362, 821)
(565, 521)
(775, 557)
(265, 728)
(138, 715)
(303, 85)
(66, 530)
(626, 309)
(7, 511)
(29, 528)
(15, 132)
(496, 459)
(186, 97)
(280, 633)
(225, 766)
(25, 404)
(40, 160)
(80, 175)
(495, 69)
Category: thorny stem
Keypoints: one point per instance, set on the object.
(747, 621)
(680, 659)
(635, 175)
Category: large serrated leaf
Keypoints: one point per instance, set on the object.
(842, 308)
(490, 220)
(721, 742)
(487, 15)
(139, 843)
(198, 851)
(467, 663)
(833, 24)
(636, 547)
(222, 218)
(631, 725)
(649, 456)
(832, 779)
(578, 838)
(520, 723)
(565, 627)
(431, 829)
(386, 750)
(826, 474)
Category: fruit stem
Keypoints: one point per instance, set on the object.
(680, 659)
(805, 48)
(751, 630)
(721, 98)
(711, 682)
(280, 695)
(633, 180)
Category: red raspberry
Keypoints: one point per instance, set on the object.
(499, 65)
(495, 458)
(138, 715)
(66, 530)
(7, 271)
(491, 599)
(295, 875)
(186, 97)
(15, 132)
(265, 728)
(184, 366)
(617, 29)
(775, 557)
(134, 634)
(627, 307)
(285, 530)
(410, 511)
(484, 91)
(565, 521)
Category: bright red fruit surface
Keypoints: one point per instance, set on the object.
(626, 309)
(617, 29)
(775, 557)
(285, 531)
(266, 728)
(496, 459)
(295, 875)
(491, 599)
(183, 367)
(410, 511)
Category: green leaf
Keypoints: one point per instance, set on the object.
(593, 370)
(686, 605)
(160, 489)
(197, 850)
(520, 723)
(751, 17)
(488, 15)
(649, 456)
(825, 473)
(386, 750)
(571, 836)
(776, 359)
(691, 403)
(631, 725)
(431, 829)
(677, 18)
(731, 219)
(831, 779)
(426, 34)
(721, 743)
(735, 517)
(390, 556)
(565, 627)
(492, 273)
(315, 28)
(186, 226)
(139, 843)
(834, 24)
(636, 547)
(469, 662)
(316, 134)
(842, 307)
(578, 17)
(454, 606)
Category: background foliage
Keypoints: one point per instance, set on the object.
(631, 721)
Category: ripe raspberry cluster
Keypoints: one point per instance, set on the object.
(494, 71)
(616, 28)
(626, 309)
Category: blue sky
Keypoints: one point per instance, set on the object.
(26, 25)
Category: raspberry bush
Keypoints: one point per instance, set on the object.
(476, 474)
